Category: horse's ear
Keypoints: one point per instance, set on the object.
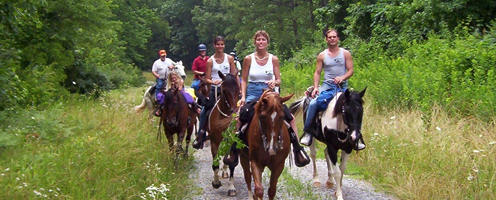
(283, 99)
(362, 93)
(221, 75)
(347, 93)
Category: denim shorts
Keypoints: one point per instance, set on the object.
(255, 90)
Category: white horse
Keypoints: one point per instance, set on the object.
(149, 98)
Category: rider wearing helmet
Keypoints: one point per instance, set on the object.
(236, 61)
(199, 65)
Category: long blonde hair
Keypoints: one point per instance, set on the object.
(178, 83)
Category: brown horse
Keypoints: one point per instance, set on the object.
(268, 144)
(219, 120)
(177, 118)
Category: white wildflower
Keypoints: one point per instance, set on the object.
(393, 117)
(7, 169)
(492, 142)
(475, 170)
(25, 184)
(58, 189)
(376, 134)
(470, 177)
(476, 151)
(2, 174)
(37, 193)
(480, 135)
(73, 82)
(33, 118)
(18, 179)
(438, 128)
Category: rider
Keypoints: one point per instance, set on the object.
(338, 67)
(224, 63)
(261, 71)
(236, 61)
(199, 65)
(160, 68)
(175, 81)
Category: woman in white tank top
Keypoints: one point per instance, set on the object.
(260, 71)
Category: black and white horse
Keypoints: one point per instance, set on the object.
(149, 96)
(339, 127)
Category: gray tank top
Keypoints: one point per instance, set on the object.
(333, 67)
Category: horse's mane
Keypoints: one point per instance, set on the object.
(354, 97)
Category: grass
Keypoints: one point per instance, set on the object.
(99, 149)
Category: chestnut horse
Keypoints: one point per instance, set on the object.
(268, 143)
(219, 119)
(178, 118)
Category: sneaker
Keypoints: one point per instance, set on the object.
(306, 139)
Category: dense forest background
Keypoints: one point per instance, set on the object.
(410, 53)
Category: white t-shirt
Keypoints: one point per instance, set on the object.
(162, 67)
(223, 67)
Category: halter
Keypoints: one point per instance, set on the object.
(225, 102)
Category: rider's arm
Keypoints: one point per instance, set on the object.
(208, 72)
(349, 65)
(244, 76)
(316, 74)
(154, 70)
(233, 70)
(277, 73)
(195, 68)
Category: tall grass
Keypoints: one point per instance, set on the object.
(453, 159)
(98, 149)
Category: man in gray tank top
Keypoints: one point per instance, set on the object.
(338, 67)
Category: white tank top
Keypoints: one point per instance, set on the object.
(259, 73)
(223, 67)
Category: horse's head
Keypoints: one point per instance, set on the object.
(271, 118)
(350, 105)
(172, 101)
(204, 87)
(229, 88)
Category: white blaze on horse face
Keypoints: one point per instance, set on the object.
(272, 135)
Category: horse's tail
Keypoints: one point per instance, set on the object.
(142, 106)
(297, 106)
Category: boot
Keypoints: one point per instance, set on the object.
(307, 139)
(301, 157)
(199, 140)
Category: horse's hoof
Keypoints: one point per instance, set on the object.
(231, 193)
(216, 184)
(316, 184)
(329, 185)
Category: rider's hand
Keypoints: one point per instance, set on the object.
(171, 67)
(216, 82)
(315, 92)
(338, 80)
(271, 84)
(241, 102)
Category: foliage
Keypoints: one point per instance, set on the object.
(88, 149)
(229, 137)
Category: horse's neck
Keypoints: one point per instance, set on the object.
(329, 119)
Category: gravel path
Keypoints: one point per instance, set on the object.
(353, 189)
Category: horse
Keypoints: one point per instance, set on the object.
(219, 119)
(177, 118)
(339, 127)
(149, 100)
(268, 144)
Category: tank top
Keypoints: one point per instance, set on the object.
(333, 67)
(259, 73)
(223, 67)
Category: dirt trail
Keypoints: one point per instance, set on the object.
(353, 189)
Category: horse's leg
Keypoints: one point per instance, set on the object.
(245, 163)
(216, 182)
(335, 171)
(330, 179)
(313, 155)
(170, 140)
(225, 174)
(232, 190)
(342, 165)
(256, 171)
(188, 138)
(274, 176)
(180, 138)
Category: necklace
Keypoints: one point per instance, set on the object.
(260, 58)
